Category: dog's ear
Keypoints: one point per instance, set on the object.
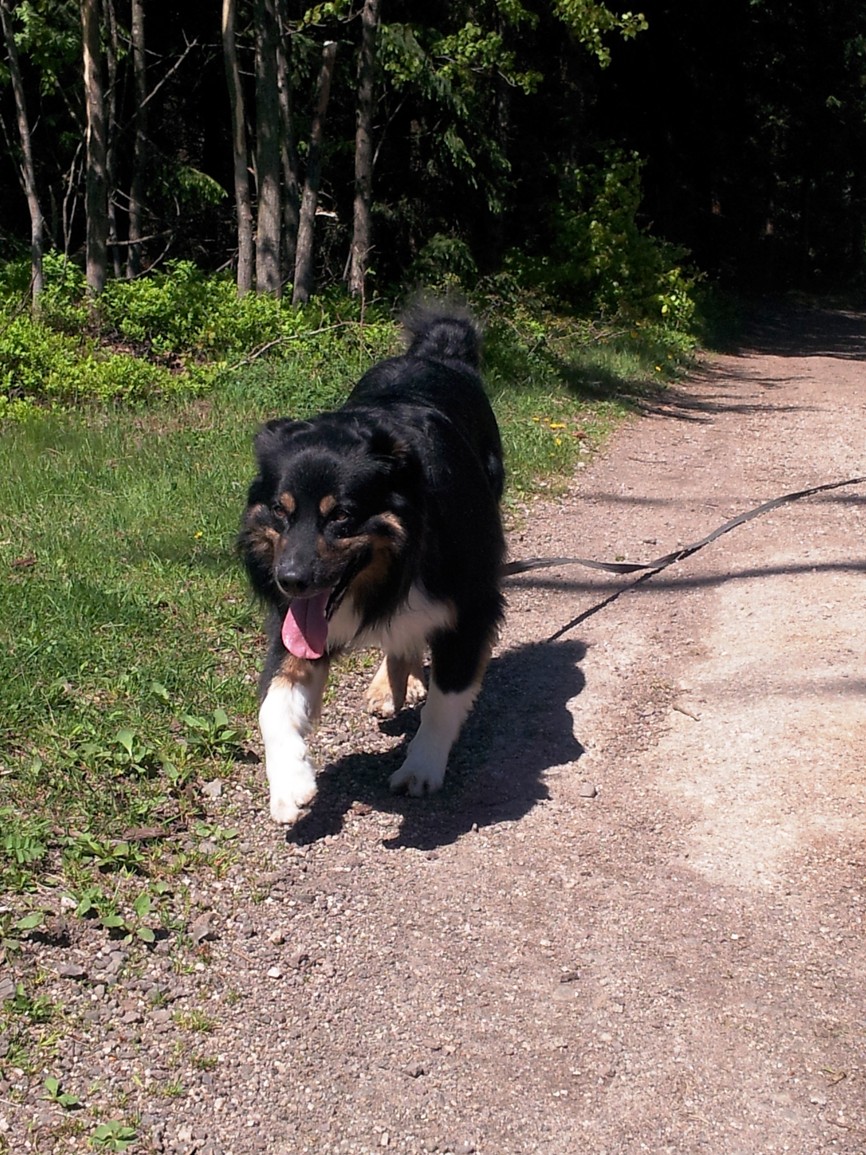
(275, 435)
(389, 448)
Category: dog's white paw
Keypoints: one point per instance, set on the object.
(417, 777)
(291, 793)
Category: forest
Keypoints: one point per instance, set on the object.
(584, 149)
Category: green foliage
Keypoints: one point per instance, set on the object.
(55, 1094)
(113, 1136)
(445, 264)
(185, 313)
(13, 929)
(166, 335)
(124, 924)
(605, 262)
(591, 22)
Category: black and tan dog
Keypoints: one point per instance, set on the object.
(378, 524)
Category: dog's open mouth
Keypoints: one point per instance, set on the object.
(305, 626)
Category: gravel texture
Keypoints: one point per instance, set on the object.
(632, 921)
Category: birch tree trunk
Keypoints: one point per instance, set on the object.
(288, 147)
(136, 185)
(303, 286)
(362, 228)
(27, 167)
(243, 203)
(96, 197)
(111, 58)
(267, 150)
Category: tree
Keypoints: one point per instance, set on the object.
(303, 285)
(136, 184)
(96, 147)
(288, 147)
(243, 201)
(268, 210)
(362, 231)
(27, 167)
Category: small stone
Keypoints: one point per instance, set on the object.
(201, 930)
(274, 973)
(587, 790)
(276, 937)
(212, 789)
(71, 971)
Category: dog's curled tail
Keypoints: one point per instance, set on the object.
(442, 332)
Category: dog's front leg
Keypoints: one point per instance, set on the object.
(442, 718)
(290, 708)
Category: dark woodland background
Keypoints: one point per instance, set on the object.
(492, 127)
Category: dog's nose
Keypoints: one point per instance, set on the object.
(294, 577)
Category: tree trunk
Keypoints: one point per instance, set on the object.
(96, 181)
(288, 149)
(28, 171)
(362, 230)
(111, 55)
(136, 186)
(243, 204)
(267, 150)
(304, 258)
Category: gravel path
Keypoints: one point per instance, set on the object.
(633, 921)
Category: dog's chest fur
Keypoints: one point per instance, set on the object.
(404, 634)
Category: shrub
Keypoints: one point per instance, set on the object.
(603, 261)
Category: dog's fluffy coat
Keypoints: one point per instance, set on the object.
(378, 524)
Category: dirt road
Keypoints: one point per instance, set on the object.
(634, 920)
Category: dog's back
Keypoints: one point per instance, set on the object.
(440, 373)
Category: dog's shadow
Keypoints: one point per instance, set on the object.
(520, 727)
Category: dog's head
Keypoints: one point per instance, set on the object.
(328, 514)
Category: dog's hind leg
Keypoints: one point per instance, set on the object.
(290, 708)
(397, 683)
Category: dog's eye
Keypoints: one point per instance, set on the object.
(280, 513)
(338, 516)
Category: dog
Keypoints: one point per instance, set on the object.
(378, 524)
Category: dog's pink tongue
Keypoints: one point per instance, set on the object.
(305, 627)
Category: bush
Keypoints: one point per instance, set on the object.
(184, 312)
(40, 365)
(603, 262)
(169, 334)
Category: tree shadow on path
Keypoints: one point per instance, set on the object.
(793, 329)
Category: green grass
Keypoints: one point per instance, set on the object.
(128, 641)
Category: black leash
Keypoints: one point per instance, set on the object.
(660, 563)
